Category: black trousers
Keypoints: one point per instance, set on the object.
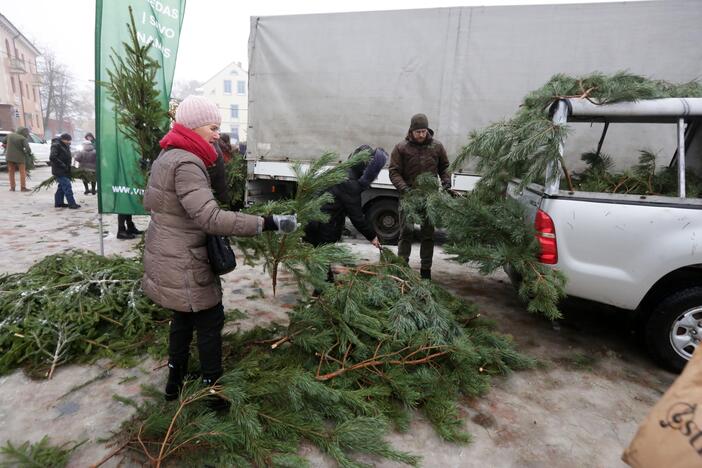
(208, 323)
(124, 222)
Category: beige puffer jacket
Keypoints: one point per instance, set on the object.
(177, 274)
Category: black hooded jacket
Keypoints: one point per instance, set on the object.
(347, 202)
(60, 158)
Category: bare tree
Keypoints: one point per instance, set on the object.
(83, 110)
(57, 88)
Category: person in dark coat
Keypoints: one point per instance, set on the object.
(60, 160)
(225, 145)
(347, 203)
(17, 154)
(87, 160)
(418, 153)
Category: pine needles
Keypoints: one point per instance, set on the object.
(644, 178)
(76, 174)
(490, 232)
(236, 181)
(307, 264)
(38, 455)
(523, 146)
(132, 88)
(352, 364)
(73, 307)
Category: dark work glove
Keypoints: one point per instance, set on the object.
(281, 223)
(406, 190)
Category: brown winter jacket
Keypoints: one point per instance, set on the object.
(177, 274)
(409, 159)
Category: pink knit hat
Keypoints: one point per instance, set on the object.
(196, 111)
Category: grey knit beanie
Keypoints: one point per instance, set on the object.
(196, 111)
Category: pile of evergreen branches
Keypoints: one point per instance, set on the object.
(351, 365)
(523, 146)
(77, 306)
(644, 178)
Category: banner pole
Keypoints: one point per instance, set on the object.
(102, 242)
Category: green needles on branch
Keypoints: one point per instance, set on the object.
(132, 89)
(352, 364)
(76, 174)
(307, 264)
(490, 232)
(523, 146)
(74, 307)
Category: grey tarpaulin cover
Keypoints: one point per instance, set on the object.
(334, 81)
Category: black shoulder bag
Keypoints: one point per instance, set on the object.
(221, 255)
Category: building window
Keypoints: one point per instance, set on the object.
(28, 120)
(7, 48)
(34, 91)
(241, 87)
(12, 79)
(234, 111)
(19, 82)
(234, 134)
(26, 86)
(227, 86)
(36, 118)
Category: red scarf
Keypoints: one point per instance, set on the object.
(183, 138)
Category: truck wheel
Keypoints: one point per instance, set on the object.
(674, 329)
(384, 217)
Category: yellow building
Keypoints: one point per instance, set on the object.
(20, 102)
(229, 90)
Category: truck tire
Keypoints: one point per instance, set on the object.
(674, 328)
(384, 216)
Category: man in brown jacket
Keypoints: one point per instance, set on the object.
(418, 153)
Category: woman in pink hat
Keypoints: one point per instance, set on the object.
(177, 273)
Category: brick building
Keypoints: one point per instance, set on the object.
(20, 102)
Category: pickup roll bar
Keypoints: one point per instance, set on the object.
(667, 110)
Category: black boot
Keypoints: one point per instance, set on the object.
(176, 374)
(215, 402)
(425, 273)
(132, 229)
(125, 235)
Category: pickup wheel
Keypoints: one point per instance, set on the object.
(674, 329)
(384, 216)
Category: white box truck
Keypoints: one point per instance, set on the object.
(331, 82)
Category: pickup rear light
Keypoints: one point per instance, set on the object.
(546, 235)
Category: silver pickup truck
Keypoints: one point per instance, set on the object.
(639, 253)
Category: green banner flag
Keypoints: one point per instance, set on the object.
(158, 22)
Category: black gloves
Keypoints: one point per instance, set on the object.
(280, 223)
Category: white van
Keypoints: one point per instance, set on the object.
(40, 147)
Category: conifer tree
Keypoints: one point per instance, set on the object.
(132, 88)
